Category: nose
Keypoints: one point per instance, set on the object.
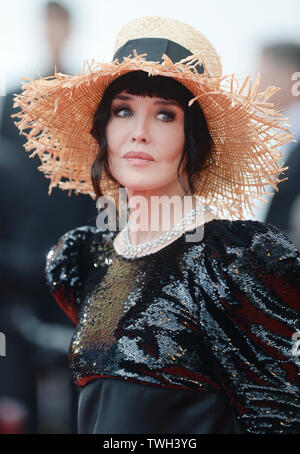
(140, 133)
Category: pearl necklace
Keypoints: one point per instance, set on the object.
(132, 250)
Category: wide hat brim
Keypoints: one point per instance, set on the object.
(56, 115)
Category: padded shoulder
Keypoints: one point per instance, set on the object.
(62, 270)
(249, 278)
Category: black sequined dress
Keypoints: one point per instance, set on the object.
(199, 337)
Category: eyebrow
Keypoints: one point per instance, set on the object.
(164, 102)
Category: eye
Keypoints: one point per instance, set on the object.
(121, 111)
(166, 115)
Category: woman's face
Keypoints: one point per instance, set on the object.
(149, 125)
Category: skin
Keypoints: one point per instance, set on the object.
(57, 32)
(155, 126)
(278, 73)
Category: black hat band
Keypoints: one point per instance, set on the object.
(155, 48)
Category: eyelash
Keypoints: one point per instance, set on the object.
(116, 110)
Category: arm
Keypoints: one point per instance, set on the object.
(252, 315)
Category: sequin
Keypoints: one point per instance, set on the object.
(215, 315)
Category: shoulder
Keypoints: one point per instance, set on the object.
(69, 244)
(64, 257)
(234, 238)
(63, 268)
(248, 289)
(242, 252)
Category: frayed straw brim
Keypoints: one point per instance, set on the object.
(247, 131)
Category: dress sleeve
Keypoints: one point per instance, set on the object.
(252, 323)
(62, 270)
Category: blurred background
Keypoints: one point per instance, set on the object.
(37, 394)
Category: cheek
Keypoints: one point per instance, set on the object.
(111, 138)
(114, 137)
(173, 144)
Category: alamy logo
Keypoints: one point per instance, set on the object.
(296, 86)
(163, 206)
(296, 345)
(2, 344)
(2, 84)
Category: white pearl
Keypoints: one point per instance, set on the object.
(132, 249)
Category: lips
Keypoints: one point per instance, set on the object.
(138, 155)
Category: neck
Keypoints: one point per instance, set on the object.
(152, 214)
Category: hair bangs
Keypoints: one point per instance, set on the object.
(140, 83)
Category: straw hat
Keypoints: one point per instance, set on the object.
(247, 131)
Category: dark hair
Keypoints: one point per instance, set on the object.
(57, 8)
(198, 140)
(284, 52)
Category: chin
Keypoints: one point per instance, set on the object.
(139, 183)
(138, 187)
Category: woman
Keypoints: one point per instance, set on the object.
(142, 113)
(172, 335)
